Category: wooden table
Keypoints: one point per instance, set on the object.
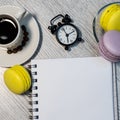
(16, 107)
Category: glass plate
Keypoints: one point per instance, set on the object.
(97, 30)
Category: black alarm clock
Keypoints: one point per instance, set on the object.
(66, 33)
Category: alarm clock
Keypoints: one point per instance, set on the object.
(66, 33)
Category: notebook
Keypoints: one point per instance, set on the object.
(72, 89)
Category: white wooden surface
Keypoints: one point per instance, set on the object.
(15, 107)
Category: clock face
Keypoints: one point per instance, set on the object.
(67, 34)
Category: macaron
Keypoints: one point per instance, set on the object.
(17, 79)
(110, 17)
(109, 46)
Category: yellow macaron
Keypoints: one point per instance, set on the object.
(17, 79)
(114, 22)
(109, 19)
(21, 70)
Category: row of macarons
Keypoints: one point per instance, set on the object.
(109, 45)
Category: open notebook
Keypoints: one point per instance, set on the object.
(72, 89)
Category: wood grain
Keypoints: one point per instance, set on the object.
(15, 107)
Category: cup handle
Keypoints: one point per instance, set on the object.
(20, 14)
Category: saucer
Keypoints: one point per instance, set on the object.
(7, 60)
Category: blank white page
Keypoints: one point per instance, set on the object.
(74, 89)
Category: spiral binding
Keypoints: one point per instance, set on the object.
(33, 95)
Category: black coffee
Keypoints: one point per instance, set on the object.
(8, 30)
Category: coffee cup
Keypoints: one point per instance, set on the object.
(10, 29)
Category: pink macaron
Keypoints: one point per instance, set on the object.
(109, 46)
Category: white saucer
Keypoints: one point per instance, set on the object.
(7, 60)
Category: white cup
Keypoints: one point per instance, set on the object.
(11, 34)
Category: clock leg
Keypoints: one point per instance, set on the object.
(66, 48)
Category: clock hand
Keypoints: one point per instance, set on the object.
(67, 39)
(64, 31)
(66, 35)
(71, 32)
